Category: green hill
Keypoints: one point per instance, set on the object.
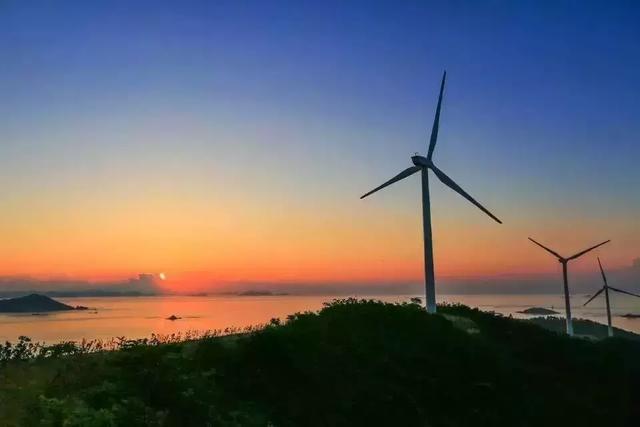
(353, 363)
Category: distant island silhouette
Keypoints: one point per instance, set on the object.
(631, 316)
(34, 303)
(257, 293)
(538, 311)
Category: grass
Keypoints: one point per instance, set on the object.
(353, 363)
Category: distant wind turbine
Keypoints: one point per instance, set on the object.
(562, 260)
(606, 288)
(423, 164)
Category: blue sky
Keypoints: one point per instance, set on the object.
(309, 104)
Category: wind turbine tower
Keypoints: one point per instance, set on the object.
(564, 261)
(606, 288)
(423, 165)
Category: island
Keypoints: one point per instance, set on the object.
(34, 303)
(538, 311)
(258, 293)
(631, 316)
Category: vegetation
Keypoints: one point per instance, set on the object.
(352, 363)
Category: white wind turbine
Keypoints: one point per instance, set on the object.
(562, 260)
(423, 164)
(606, 288)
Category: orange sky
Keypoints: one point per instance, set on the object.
(204, 244)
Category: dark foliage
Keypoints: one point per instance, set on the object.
(353, 363)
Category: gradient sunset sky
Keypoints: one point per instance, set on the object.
(224, 142)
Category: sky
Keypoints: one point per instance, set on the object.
(228, 143)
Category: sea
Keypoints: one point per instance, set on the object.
(139, 317)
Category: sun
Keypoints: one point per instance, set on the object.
(162, 276)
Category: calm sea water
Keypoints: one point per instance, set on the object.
(142, 316)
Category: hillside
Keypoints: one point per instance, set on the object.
(33, 303)
(353, 363)
(582, 327)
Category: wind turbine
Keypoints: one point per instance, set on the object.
(562, 260)
(606, 288)
(423, 164)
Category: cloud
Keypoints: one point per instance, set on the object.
(626, 277)
(143, 284)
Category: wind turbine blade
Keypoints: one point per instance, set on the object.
(579, 254)
(604, 277)
(436, 120)
(546, 248)
(594, 296)
(402, 175)
(624, 292)
(455, 187)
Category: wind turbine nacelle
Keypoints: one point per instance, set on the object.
(421, 161)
